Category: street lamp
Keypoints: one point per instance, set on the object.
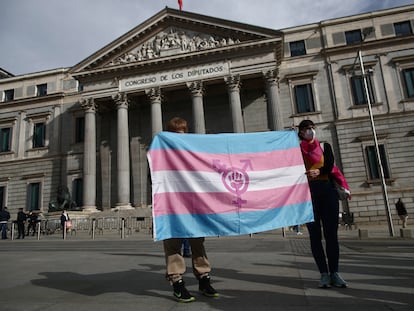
(365, 33)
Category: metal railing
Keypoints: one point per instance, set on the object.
(92, 226)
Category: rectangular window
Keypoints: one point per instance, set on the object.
(2, 196)
(297, 48)
(5, 139)
(8, 95)
(41, 89)
(353, 36)
(80, 130)
(78, 191)
(408, 77)
(403, 28)
(373, 167)
(304, 98)
(33, 196)
(39, 135)
(358, 90)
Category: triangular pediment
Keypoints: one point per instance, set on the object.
(173, 41)
(172, 33)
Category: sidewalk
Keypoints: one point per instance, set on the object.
(263, 272)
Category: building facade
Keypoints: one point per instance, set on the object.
(87, 128)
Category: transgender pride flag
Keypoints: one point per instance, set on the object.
(227, 184)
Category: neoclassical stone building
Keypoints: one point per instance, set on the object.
(88, 127)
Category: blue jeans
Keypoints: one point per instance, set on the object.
(3, 231)
(326, 211)
(186, 247)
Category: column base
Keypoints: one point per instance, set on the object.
(123, 207)
(90, 209)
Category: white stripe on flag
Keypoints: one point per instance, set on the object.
(195, 181)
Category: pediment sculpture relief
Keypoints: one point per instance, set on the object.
(173, 41)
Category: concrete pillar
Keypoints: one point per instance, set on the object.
(89, 155)
(154, 94)
(273, 103)
(123, 154)
(55, 131)
(197, 91)
(21, 148)
(233, 87)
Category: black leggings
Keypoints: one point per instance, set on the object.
(326, 213)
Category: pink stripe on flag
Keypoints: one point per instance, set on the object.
(167, 160)
(224, 202)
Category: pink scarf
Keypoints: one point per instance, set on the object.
(313, 156)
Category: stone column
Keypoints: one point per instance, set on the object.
(89, 155)
(273, 103)
(197, 91)
(123, 170)
(154, 94)
(233, 86)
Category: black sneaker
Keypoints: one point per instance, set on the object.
(181, 293)
(205, 287)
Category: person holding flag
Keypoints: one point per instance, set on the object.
(174, 257)
(319, 164)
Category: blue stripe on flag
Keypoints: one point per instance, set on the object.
(176, 226)
(227, 143)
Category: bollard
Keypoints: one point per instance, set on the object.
(12, 231)
(93, 228)
(123, 228)
(64, 230)
(38, 231)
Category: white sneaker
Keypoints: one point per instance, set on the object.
(325, 281)
(337, 280)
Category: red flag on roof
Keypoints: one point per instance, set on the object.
(180, 4)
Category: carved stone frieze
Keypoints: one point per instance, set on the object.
(173, 41)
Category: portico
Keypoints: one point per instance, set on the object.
(210, 79)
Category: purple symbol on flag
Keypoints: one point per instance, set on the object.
(236, 180)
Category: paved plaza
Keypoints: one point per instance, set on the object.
(263, 272)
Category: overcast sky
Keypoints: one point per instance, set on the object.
(39, 35)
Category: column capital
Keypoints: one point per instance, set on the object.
(271, 76)
(154, 94)
(88, 104)
(121, 100)
(196, 88)
(233, 82)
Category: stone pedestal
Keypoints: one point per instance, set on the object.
(363, 233)
(406, 233)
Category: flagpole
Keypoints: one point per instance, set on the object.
(377, 152)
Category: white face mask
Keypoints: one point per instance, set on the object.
(309, 134)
